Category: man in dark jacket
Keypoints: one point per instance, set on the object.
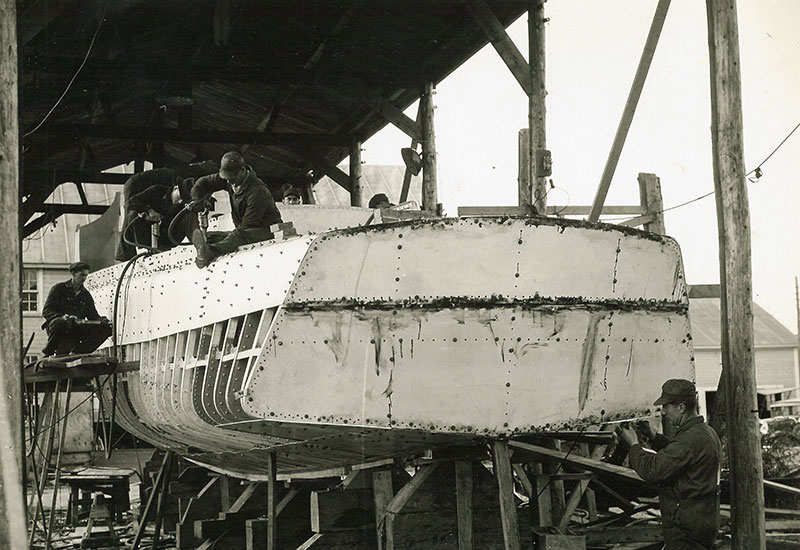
(686, 470)
(71, 320)
(161, 204)
(138, 231)
(252, 208)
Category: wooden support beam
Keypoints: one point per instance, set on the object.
(401, 498)
(407, 173)
(652, 202)
(272, 510)
(333, 172)
(736, 311)
(356, 189)
(485, 18)
(393, 114)
(577, 461)
(645, 220)
(430, 195)
(382, 494)
(537, 106)
(57, 210)
(161, 134)
(630, 108)
(572, 503)
(464, 487)
(12, 501)
(505, 483)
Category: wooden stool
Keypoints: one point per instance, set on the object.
(100, 513)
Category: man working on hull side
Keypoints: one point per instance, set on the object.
(71, 320)
(686, 469)
(252, 208)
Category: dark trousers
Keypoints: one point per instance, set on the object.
(65, 336)
(223, 242)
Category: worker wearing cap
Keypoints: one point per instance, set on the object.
(252, 208)
(165, 178)
(68, 308)
(161, 204)
(686, 470)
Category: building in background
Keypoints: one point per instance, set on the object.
(776, 357)
(46, 256)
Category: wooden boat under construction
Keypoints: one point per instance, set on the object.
(361, 343)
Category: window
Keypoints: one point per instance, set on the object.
(30, 290)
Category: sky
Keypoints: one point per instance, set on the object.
(593, 49)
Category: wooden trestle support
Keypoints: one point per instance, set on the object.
(502, 495)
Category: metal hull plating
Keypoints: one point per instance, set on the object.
(367, 343)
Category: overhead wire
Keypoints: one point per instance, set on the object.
(74, 76)
(757, 171)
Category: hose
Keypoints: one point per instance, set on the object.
(172, 225)
(125, 235)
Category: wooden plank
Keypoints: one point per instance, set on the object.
(630, 108)
(486, 19)
(524, 210)
(272, 512)
(781, 487)
(310, 542)
(505, 483)
(382, 495)
(651, 200)
(736, 313)
(464, 503)
(430, 195)
(621, 535)
(578, 461)
(407, 173)
(615, 210)
(646, 219)
(572, 503)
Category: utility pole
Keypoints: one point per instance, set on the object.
(537, 107)
(733, 218)
(12, 503)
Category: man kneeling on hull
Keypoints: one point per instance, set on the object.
(252, 208)
(71, 320)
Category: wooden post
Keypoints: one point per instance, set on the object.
(382, 493)
(651, 201)
(733, 214)
(524, 167)
(356, 190)
(62, 440)
(430, 196)
(12, 501)
(407, 173)
(797, 350)
(537, 109)
(630, 108)
(464, 503)
(505, 483)
(272, 513)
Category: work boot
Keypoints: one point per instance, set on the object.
(205, 254)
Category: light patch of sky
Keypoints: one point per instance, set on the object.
(592, 53)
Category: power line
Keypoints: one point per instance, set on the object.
(74, 76)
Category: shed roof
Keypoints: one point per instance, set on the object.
(290, 83)
(704, 314)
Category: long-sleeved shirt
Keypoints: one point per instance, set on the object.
(687, 472)
(252, 204)
(63, 300)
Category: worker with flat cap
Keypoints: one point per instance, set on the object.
(161, 204)
(138, 231)
(686, 469)
(252, 208)
(70, 317)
